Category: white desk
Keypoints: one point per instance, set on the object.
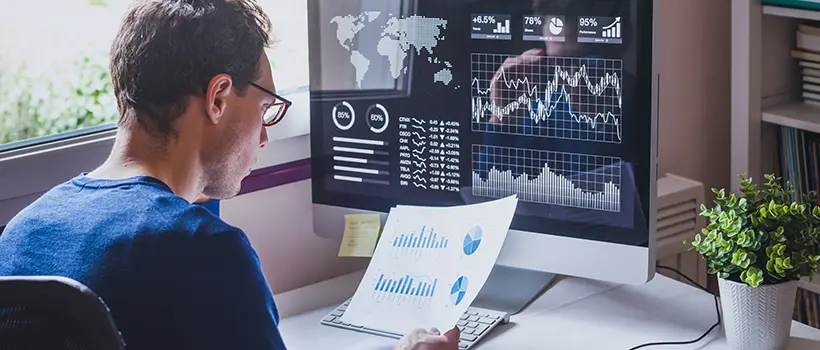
(574, 314)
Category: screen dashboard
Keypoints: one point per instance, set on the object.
(431, 102)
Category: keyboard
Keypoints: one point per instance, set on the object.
(474, 324)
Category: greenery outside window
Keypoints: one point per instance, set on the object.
(54, 81)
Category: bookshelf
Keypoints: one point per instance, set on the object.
(767, 100)
(794, 115)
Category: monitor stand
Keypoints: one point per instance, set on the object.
(511, 289)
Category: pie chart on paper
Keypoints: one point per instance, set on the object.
(472, 240)
(459, 290)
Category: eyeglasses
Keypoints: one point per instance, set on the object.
(276, 112)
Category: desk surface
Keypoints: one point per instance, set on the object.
(574, 314)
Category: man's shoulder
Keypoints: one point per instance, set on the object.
(139, 207)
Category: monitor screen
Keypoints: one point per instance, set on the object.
(430, 102)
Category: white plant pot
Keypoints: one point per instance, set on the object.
(757, 318)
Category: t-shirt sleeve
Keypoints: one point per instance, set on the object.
(225, 301)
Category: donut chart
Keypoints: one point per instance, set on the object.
(343, 115)
(472, 240)
(377, 118)
(459, 290)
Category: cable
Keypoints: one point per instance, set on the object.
(717, 310)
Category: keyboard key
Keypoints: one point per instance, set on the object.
(487, 320)
(473, 323)
(468, 337)
(481, 329)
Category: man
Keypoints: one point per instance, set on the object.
(194, 88)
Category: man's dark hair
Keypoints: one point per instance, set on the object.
(168, 50)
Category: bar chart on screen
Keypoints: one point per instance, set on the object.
(404, 289)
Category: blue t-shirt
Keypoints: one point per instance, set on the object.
(174, 275)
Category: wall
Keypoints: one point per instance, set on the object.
(693, 50)
(279, 224)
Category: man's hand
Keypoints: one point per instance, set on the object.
(422, 339)
(514, 71)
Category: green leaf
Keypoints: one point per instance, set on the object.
(753, 276)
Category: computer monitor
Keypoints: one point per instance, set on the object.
(440, 103)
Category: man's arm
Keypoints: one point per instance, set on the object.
(226, 303)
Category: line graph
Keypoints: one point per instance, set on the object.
(546, 177)
(558, 97)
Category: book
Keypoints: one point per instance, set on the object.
(812, 57)
(800, 4)
(798, 156)
(811, 74)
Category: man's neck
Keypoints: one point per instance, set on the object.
(139, 154)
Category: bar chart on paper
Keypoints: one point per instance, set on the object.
(406, 289)
(400, 293)
(425, 242)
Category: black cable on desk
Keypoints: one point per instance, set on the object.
(717, 309)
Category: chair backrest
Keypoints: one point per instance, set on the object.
(52, 312)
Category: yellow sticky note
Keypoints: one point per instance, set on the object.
(361, 235)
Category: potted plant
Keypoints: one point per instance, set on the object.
(760, 243)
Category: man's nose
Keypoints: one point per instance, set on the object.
(263, 138)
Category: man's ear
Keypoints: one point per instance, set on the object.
(216, 97)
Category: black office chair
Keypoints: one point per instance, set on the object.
(54, 313)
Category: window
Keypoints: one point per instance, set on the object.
(54, 81)
(289, 52)
(56, 105)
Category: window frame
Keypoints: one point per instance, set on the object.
(28, 171)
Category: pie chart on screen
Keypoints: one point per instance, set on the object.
(472, 240)
(556, 26)
(459, 290)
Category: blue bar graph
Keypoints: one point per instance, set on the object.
(406, 285)
(426, 239)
